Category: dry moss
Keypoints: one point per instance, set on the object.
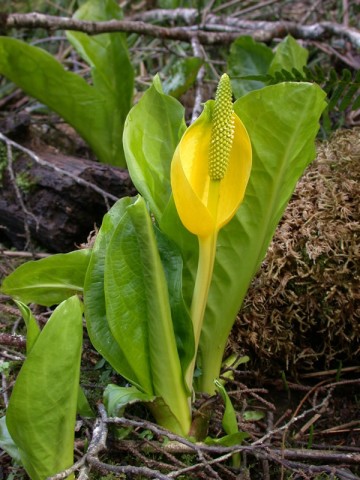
(303, 308)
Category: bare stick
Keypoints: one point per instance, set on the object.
(216, 31)
(11, 253)
(13, 340)
(198, 52)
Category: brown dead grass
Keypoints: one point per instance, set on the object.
(303, 308)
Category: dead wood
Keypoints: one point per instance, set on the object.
(56, 199)
(214, 32)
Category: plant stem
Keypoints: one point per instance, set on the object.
(207, 250)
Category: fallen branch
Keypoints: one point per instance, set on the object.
(66, 196)
(16, 254)
(75, 178)
(216, 30)
(12, 340)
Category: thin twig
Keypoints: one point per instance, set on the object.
(4, 388)
(12, 253)
(293, 420)
(19, 197)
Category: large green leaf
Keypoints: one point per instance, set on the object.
(42, 408)
(181, 75)
(173, 267)
(111, 70)
(94, 296)
(50, 280)
(32, 334)
(248, 57)
(282, 121)
(152, 130)
(38, 73)
(138, 311)
(288, 55)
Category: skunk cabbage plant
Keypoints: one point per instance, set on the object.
(169, 269)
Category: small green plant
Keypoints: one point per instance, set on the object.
(4, 366)
(24, 182)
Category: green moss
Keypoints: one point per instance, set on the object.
(24, 182)
(3, 160)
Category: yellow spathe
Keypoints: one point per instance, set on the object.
(206, 205)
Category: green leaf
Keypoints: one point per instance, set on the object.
(282, 122)
(84, 107)
(152, 130)
(288, 55)
(117, 398)
(111, 70)
(348, 97)
(233, 361)
(181, 76)
(33, 332)
(356, 103)
(228, 440)
(32, 328)
(171, 225)
(253, 415)
(7, 443)
(126, 300)
(83, 407)
(138, 311)
(50, 280)
(94, 296)
(183, 328)
(248, 57)
(229, 420)
(42, 408)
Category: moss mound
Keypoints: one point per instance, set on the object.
(303, 308)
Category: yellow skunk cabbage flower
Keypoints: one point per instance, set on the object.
(211, 166)
(209, 173)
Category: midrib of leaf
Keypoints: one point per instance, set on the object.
(44, 286)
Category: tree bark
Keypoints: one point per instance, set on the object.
(63, 199)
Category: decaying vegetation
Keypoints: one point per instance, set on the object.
(303, 309)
